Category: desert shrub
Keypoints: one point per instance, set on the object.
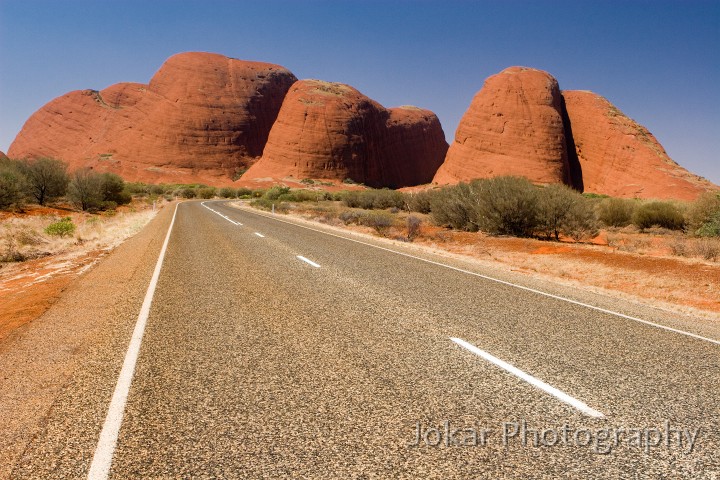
(350, 216)
(506, 205)
(413, 224)
(13, 185)
(85, 189)
(188, 192)
(380, 221)
(616, 212)
(47, 179)
(140, 189)
(307, 181)
(420, 201)
(455, 207)
(275, 192)
(349, 181)
(374, 199)
(581, 222)
(227, 192)
(244, 192)
(562, 210)
(703, 216)
(62, 228)
(661, 214)
(708, 248)
(153, 189)
(554, 208)
(206, 192)
(679, 246)
(113, 189)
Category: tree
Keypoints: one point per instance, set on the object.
(13, 184)
(86, 189)
(556, 204)
(113, 189)
(47, 179)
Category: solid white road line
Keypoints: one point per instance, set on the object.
(100, 466)
(223, 216)
(259, 234)
(497, 280)
(574, 402)
(308, 261)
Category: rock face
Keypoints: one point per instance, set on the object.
(619, 157)
(202, 118)
(3, 156)
(331, 131)
(520, 123)
(514, 126)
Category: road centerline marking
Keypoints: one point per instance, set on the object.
(259, 234)
(308, 261)
(497, 280)
(536, 382)
(222, 215)
(102, 459)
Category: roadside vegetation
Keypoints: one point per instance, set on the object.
(500, 206)
(514, 207)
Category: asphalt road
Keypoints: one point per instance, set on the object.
(257, 363)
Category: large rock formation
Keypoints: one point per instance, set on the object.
(202, 118)
(331, 131)
(513, 127)
(520, 123)
(619, 157)
(3, 156)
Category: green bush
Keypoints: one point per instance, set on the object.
(703, 216)
(206, 192)
(13, 185)
(47, 179)
(62, 228)
(455, 207)
(227, 192)
(616, 212)
(420, 202)
(380, 221)
(86, 190)
(507, 205)
(275, 192)
(244, 192)
(374, 199)
(659, 214)
(188, 192)
(113, 189)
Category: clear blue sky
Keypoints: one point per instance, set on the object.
(658, 61)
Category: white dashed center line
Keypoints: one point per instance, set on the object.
(259, 234)
(574, 402)
(308, 261)
(223, 216)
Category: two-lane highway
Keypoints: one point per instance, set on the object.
(274, 350)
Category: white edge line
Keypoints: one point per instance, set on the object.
(497, 280)
(259, 234)
(308, 261)
(102, 459)
(559, 394)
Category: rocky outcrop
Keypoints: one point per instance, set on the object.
(202, 118)
(331, 131)
(3, 156)
(513, 127)
(619, 157)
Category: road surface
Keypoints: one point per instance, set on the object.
(280, 350)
